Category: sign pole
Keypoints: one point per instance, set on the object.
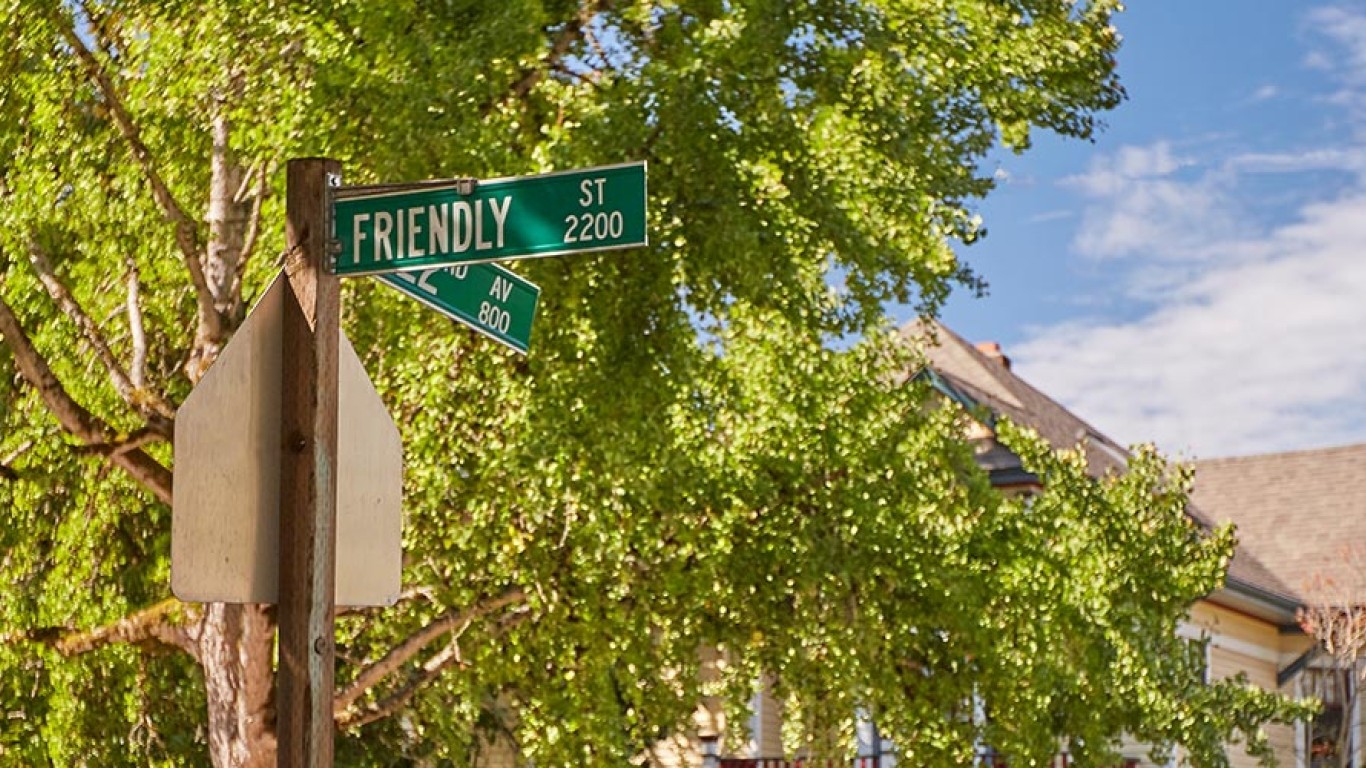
(308, 463)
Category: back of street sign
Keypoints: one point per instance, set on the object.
(225, 532)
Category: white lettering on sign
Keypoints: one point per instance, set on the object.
(422, 279)
(357, 235)
(430, 230)
(438, 233)
(480, 244)
(586, 189)
(499, 219)
(461, 218)
(500, 289)
(500, 216)
(587, 227)
(384, 226)
(413, 229)
(494, 317)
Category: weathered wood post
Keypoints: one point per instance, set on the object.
(308, 463)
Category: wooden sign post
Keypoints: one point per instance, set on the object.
(308, 471)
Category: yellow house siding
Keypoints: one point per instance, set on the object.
(1226, 624)
(499, 752)
(769, 719)
(1226, 663)
(1241, 644)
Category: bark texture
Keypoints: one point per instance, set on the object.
(235, 650)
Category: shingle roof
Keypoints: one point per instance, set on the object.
(990, 383)
(1294, 511)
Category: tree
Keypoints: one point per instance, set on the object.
(688, 458)
(1335, 616)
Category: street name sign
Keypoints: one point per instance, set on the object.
(486, 297)
(395, 228)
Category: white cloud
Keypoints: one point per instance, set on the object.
(1343, 29)
(1250, 336)
(1138, 207)
(1252, 356)
(1351, 159)
(1056, 214)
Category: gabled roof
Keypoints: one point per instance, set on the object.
(968, 374)
(1294, 511)
(990, 383)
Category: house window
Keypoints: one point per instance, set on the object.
(1329, 734)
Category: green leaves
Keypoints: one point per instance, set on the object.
(684, 461)
(1097, 575)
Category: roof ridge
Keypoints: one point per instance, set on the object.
(1088, 430)
(990, 368)
(1251, 457)
(1008, 378)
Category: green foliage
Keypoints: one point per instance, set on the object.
(1091, 608)
(683, 461)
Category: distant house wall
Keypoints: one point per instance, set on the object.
(1242, 644)
(766, 723)
(1239, 644)
(499, 752)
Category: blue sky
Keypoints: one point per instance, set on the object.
(1197, 276)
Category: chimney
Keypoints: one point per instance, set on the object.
(992, 351)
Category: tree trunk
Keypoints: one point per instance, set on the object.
(236, 642)
(235, 650)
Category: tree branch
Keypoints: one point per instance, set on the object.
(153, 625)
(138, 367)
(7, 470)
(571, 33)
(127, 443)
(227, 215)
(72, 416)
(430, 670)
(254, 218)
(253, 226)
(456, 621)
(157, 412)
(186, 232)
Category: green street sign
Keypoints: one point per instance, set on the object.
(394, 228)
(486, 297)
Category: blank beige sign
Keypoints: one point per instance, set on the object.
(225, 515)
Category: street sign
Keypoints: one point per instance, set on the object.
(225, 513)
(394, 228)
(486, 297)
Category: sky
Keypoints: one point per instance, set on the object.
(1196, 277)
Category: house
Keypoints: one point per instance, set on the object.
(1303, 516)
(1292, 515)
(1251, 622)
